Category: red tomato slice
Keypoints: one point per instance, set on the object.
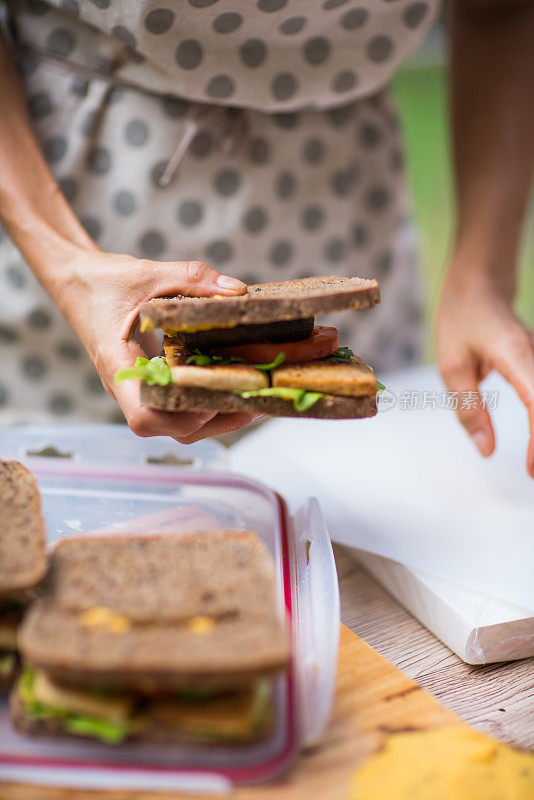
(323, 342)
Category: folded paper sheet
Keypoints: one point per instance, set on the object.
(410, 486)
(479, 628)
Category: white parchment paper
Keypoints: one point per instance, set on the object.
(410, 486)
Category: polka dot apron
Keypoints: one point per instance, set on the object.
(254, 135)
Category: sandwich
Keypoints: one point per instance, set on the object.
(259, 353)
(159, 638)
(22, 556)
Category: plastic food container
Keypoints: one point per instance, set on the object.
(103, 478)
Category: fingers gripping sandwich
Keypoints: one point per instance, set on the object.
(160, 638)
(22, 556)
(259, 353)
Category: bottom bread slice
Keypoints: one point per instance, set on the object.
(176, 398)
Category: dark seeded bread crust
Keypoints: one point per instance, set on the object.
(175, 398)
(22, 529)
(265, 302)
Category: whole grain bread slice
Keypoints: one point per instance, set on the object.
(262, 303)
(154, 658)
(22, 529)
(158, 613)
(178, 398)
(162, 577)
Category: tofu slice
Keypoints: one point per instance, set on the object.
(220, 378)
(231, 715)
(346, 379)
(111, 707)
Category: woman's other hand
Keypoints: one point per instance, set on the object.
(491, 78)
(477, 331)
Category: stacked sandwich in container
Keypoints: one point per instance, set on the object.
(22, 557)
(162, 638)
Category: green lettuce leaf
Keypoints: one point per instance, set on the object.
(302, 400)
(7, 664)
(343, 354)
(200, 359)
(307, 400)
(102, 729)
(155, 371)
(379, 386)
(105, 730)
(280, 358)
(262, 700)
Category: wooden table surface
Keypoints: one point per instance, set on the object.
(373, 701)
(497, 699)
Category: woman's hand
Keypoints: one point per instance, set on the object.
(477, 331)
(100, 293)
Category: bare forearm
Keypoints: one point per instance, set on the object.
(98, 293)
(492, 75)
(33, 210)
(477, 330)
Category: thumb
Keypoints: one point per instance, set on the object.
(195, 279)
(460, 376)
(144, 421)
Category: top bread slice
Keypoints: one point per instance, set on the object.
(22, 530)
(157, 613)
(162, 576)
(262, 303)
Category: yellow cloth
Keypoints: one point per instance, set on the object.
(453, 763)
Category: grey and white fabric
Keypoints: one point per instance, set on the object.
(255, 135)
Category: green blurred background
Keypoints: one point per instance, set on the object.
(421, 92)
